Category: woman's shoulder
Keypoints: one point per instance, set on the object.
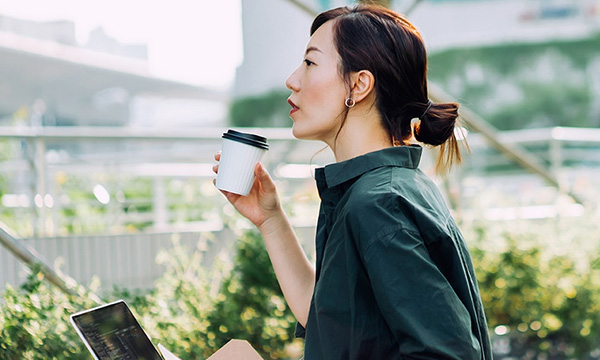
(400, 192)
(386, 182)
(396, 200)
(375, 205)
(380, 190)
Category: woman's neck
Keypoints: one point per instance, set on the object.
(360, 135)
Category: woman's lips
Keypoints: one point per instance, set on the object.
(294, 107)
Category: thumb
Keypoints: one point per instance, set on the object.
(264, 178)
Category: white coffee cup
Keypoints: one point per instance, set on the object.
(240, 153)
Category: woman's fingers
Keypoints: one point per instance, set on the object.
(215, 167)
(265, 179)
(231, 197)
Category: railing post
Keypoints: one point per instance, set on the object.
(555, 157)
(30, 154)
(40, 176)
(159, 203)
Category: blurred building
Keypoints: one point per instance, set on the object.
(47, 78)
(58, 31)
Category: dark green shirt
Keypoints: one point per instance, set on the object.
(394, 278)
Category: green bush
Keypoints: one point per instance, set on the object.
(34, 322)
(540, 286)
(543, 297)
(191, 311)
(250, 304)
(175, 313)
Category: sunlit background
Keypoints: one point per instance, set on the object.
(110, 113)
(196, 42)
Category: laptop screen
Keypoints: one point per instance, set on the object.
(112, 332)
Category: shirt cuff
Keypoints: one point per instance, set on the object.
(300, 331)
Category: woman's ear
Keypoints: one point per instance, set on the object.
(363, 83)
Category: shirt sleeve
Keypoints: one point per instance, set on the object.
(419, 305)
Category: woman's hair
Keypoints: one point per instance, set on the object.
(373, 38)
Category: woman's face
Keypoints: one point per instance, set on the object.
(318, 91)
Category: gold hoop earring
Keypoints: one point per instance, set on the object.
(349, 102)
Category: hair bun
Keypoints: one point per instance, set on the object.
(437, 128)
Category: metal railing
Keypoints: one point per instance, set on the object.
(123, 260)
(45, 156)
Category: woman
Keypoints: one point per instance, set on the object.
(393, 279)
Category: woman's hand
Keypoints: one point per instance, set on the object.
(262, 203)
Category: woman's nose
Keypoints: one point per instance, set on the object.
(292, 82)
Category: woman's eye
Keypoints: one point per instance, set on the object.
(308, 62)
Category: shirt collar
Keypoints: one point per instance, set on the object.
(338, 173)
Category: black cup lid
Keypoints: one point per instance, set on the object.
(246, 138)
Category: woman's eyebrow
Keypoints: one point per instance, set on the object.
(312, 48)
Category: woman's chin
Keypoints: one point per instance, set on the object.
(306, 133)
(298, 133)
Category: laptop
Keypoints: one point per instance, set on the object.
(111, 332)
